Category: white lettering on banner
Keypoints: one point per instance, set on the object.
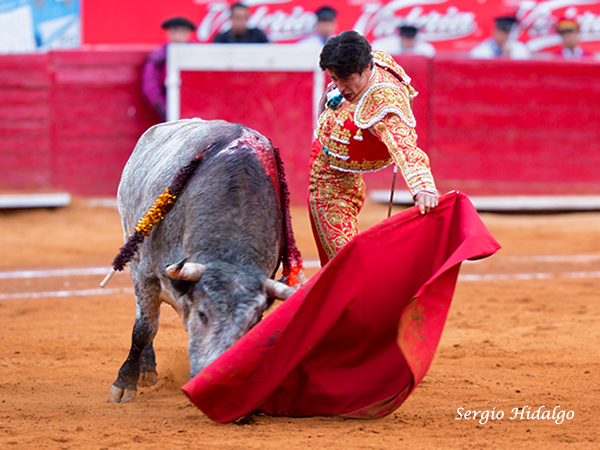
(538, 19)
(381, 21)
(278, 25)
(281, 26)
(216, 16)
(251, 3)
(378, 20)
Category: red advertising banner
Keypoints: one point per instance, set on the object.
(450, 25)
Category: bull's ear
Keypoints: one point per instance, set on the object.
(185, 271)
(183, 287)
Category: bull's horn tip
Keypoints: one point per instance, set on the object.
(107, 277)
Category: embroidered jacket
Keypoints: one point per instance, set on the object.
(377, 128)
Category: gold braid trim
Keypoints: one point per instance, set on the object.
(156, 213)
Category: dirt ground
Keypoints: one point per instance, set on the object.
(522, 334)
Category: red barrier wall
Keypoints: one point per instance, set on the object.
(277, 104)
(515, 127)
(25, 122)
(70, 119)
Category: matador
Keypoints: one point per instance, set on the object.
(366, 124)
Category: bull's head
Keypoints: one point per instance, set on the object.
(193, 272)
(221, 302)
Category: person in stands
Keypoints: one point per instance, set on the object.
(408, 43)
(569, 32)
(501, 44)
(179, 30)
(239, 33)
(324, 28)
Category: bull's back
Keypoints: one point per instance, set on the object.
(157, 158)
(236, 215)
(229, 210)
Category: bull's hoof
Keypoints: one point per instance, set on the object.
(118, 395)
(147, 379)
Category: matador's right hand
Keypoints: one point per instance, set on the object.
(426, 201)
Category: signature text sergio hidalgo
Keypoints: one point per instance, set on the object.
(524, 413)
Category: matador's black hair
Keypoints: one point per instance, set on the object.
(347, 53)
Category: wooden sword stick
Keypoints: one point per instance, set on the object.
(392, 191)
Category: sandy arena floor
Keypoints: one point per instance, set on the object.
(523, 332)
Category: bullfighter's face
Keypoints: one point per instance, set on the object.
(350, 87)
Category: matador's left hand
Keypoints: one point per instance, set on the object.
(426, 201)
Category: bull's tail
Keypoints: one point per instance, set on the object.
(293, 270)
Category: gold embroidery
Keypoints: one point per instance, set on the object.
(332, 134)
(372, 108)
(336, 189)
(413, 162)
(335, 201)
(384, 60)
(355, 166)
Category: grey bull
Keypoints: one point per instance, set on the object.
(213, 255)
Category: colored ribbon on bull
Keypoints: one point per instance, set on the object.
(293, 270)
(163, 204)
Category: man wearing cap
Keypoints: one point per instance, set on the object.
(239, 33)
(324, 28)
(501, 45)
(179, 30)
(408, 44)
(569, 33)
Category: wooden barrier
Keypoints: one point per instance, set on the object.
(515, 127)
(25, 122)
(70, 119)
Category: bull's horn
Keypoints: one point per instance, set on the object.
(278, 290)
(186, 272)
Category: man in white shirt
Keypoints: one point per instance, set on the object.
(324, 28)
(501, 45)
(408, 44)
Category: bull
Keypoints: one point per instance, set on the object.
(213, 256)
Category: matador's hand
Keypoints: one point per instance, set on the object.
(426, 201)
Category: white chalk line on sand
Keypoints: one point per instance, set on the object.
(463, 277)
(307, 264)
(62, 294)
(54, 273)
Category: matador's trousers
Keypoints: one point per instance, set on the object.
(335, 199)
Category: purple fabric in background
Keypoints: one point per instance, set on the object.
(153, 81)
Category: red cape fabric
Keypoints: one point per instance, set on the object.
(361, 334)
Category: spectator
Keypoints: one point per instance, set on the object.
(409, 43)
(239, 33)
(569, 33)
(324, 28)
(501, 44)
(179, 30)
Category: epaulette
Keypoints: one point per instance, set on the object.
(381, 99)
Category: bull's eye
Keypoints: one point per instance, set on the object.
(203, 317)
